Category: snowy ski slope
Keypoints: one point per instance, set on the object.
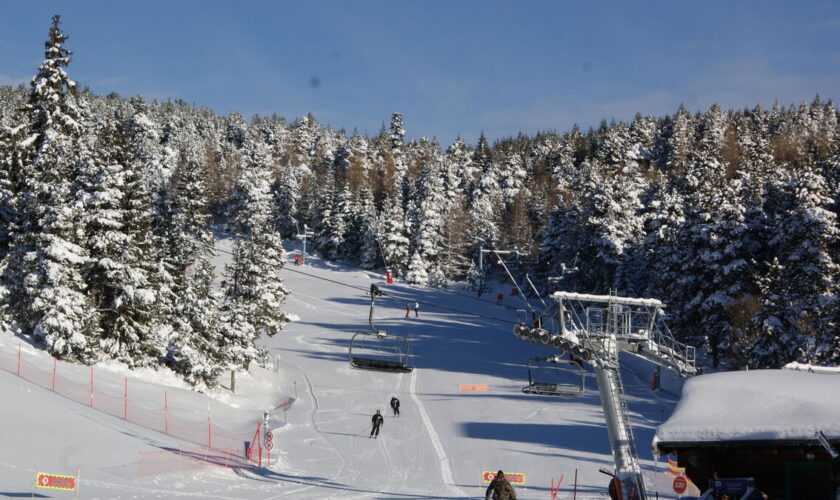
(438, 448)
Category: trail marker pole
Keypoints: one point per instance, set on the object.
(574, 493)
(55, 362)
(91, 386)
(18, 367)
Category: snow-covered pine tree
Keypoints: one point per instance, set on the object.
(486, 203)
(801, 290)
(121, 270)
(392, 226)
(255, 293)
(13, 161)
(365, 230)
(196, 343)
(330, 224)
(458, 170)
(42, 276)
(427, 216)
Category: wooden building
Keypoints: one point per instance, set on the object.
(761, 424)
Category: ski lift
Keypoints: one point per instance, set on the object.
(555, 376)
(377, 350)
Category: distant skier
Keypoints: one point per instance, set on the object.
(500, 488)
(416, 309)
(395, 405)
(499, 298)
(376, 421)
(407, 309)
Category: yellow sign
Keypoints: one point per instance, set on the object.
(512, 477)
(55, 481)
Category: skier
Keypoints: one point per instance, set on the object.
(499, 298)
(500, 488)
(395, 405)
(377, 421)
(407, 309)
(416, 310)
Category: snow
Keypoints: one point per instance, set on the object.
(755, 405)
(438, 448)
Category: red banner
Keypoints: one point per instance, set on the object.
(55, 482)
(512, 477)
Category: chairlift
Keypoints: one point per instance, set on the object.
(555, 376)
(377, 350)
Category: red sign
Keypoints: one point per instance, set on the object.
(55, 482)
(680, 484)
(512, 477)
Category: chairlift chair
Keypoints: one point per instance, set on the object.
(555, 376)
(377, 350)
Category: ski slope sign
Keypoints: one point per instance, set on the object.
(512, 477)
(55, 482)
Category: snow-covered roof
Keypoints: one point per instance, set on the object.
(607, 298)
(757, 405)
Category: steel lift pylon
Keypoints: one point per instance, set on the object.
(598, 328)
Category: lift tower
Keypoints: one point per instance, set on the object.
(596, 328)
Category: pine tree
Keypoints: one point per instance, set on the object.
(42, 277)
(121, 272)
(256, 294)
(427, 216)
(393, 234)
(365, 230)
(801, 289)
(13, 161)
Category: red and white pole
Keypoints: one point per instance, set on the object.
(91, 386)
(55, 362)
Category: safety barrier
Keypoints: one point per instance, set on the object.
(223, 447)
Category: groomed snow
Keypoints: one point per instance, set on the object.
(755, 405)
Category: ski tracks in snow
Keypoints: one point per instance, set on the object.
(443, 459)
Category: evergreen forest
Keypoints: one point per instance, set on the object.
(108, 206)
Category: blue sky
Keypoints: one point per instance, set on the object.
(451, 67)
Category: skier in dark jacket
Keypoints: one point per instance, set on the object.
(395, 405)
(500, 488)
(376, 421)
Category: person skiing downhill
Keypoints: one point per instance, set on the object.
(500, 488)
(416, 309)
(376, 421)
(395, 405)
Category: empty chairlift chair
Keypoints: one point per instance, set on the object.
(377, 350)
(555, 376)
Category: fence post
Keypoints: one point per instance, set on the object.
(125, 400)
(91, 386)
(209, 429)
(18, 367)
(165, 413)
(55, 362)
